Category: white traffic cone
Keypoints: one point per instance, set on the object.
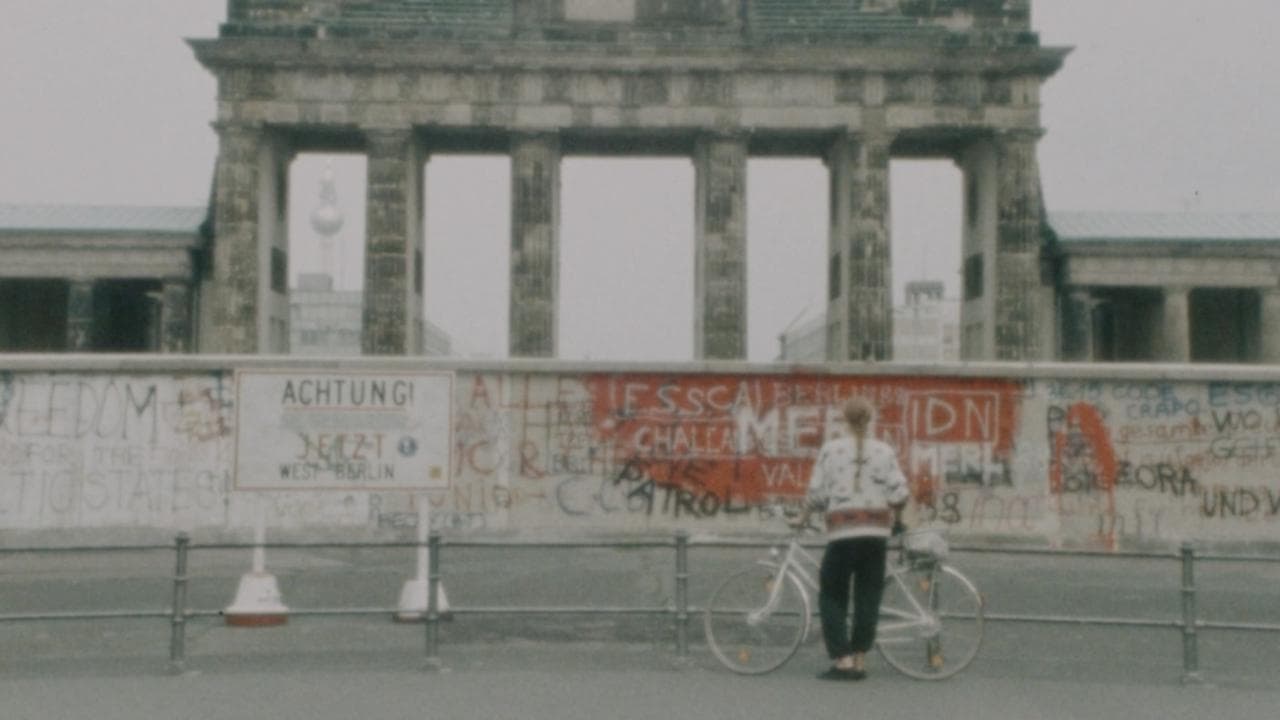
(413, 601)
(257, 602)
(413, 596)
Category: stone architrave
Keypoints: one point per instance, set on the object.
(720, 249)
(535, 245)
(393, 245)
(1019, 217)
(80, 315)
(861, 302)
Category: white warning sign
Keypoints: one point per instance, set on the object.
(342, 430)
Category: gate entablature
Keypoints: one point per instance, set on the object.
(981, 22)
(853, 82)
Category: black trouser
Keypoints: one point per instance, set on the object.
(862, 559)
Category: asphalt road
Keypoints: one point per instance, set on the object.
(601, 666)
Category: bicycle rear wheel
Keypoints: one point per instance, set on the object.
(931, 621)
(752, 629)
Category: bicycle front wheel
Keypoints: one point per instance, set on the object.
(931, 621)
(756, 619)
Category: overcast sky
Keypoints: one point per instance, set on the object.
(1164, 105)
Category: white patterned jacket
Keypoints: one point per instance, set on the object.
(858, 493)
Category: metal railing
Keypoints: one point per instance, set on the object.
(680, 610)
(1188, 623)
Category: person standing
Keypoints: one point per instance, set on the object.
(858, 485)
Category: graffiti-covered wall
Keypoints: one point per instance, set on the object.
(1052, 454)
(94, 450)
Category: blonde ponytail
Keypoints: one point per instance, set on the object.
(857, 413)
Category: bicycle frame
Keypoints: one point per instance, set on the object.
(796, 562)
(762, 635)
(896, 624)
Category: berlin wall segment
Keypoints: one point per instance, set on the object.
(102, 450)
(1083, 462)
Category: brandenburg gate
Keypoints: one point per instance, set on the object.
(853, 82)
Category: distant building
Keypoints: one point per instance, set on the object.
(324, 321)
(77, 278)
(927, 327)
(134, 279)
(1184, 287)
(805, 342)
(1168, 287)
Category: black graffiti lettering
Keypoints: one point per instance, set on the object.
(673, 488)
(644, 494)
(1164, 478)
(1237, 503)
(667, 498)
(950, 512)
(1233, 420)
(96, 492)
(563, 494)
(994, 474)
(397, 519)
(1081, 480)
(1244, 448)
(605, 498)
(708, 505)
(951, 508)
(685, 502)
(632, 471)
(1055, 420)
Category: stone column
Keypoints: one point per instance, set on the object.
(393, 262)
(1269, 342)
(1077, 325)
(1018, 287)
(80, 316)
(238, 271)
(720, 249)
(535, 245)
(1175, 326)
(175, 317)
(978, 250)
(860, 288)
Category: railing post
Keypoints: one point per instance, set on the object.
(178, 626)
(432, 621)
(1190, 651)
(682, 594)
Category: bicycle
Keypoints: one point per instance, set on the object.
(931, 617)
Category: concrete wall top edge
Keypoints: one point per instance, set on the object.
(162, 364)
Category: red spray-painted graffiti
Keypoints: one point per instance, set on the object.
(1083, 458)
(739, 441)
